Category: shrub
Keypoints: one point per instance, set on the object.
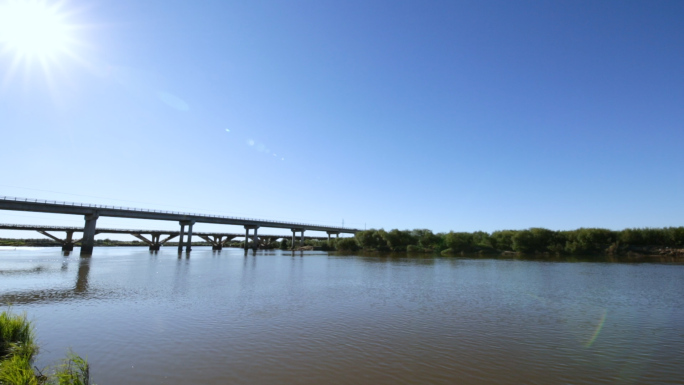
(372, 239)
(347, 244)
(413, 249)
(459, 241)
(502, 240)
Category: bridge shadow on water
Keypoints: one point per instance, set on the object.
(81, 288)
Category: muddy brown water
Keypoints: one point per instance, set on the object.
(319, 318)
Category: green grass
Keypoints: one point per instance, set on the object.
(73, 371)
(18, 349)
(16, 332)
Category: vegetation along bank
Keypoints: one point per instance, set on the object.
(18, 350)
(585, 241)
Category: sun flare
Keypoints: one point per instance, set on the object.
(33, 29)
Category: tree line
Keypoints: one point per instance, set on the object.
(533, 240)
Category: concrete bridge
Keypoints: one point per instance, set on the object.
(92, 212)
(155, 239)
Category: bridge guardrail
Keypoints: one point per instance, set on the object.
(74, 204)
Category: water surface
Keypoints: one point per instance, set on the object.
(311, 318)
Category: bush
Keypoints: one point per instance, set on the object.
(413, 249)
(459, 241)
(347, 244)
(398, 240)
(587, 241)
(534, 240)
(502, 240)
(372, 239)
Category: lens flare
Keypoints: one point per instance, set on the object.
(599, 326)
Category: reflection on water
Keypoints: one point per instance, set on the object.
(309, 317)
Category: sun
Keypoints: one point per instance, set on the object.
(33, 29)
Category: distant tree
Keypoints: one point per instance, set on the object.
(347, 244)
(588, 241)
(398, 240)
(372, 239)
(502, 240)
(482, 240)
(533, 240)
(459, 241)
(675, 236)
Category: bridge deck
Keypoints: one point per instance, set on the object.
(35, 205)
(7, 226)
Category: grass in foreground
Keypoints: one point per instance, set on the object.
(18, 349)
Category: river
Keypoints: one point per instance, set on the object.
(314, 318)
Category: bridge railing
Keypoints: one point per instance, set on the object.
(74, 204)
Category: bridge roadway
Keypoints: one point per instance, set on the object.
(92, 212)
(155, 241)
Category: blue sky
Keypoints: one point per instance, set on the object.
(452, 115)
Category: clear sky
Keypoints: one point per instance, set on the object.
(446, 115)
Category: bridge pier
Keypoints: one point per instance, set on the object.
(67, 244)
(88, 241)
(189, 244)
(301, 238)
(155, 244)
(182, 236)
(337, 233)
(254, 237)
(218, 242)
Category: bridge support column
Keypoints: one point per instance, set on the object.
(188, 245)
(88, 241)
(293, 239)
(301, 238)
(337, 233)
(155, 245)
(182, 236)
(68, 242)
(218, 243)
(255, 239)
